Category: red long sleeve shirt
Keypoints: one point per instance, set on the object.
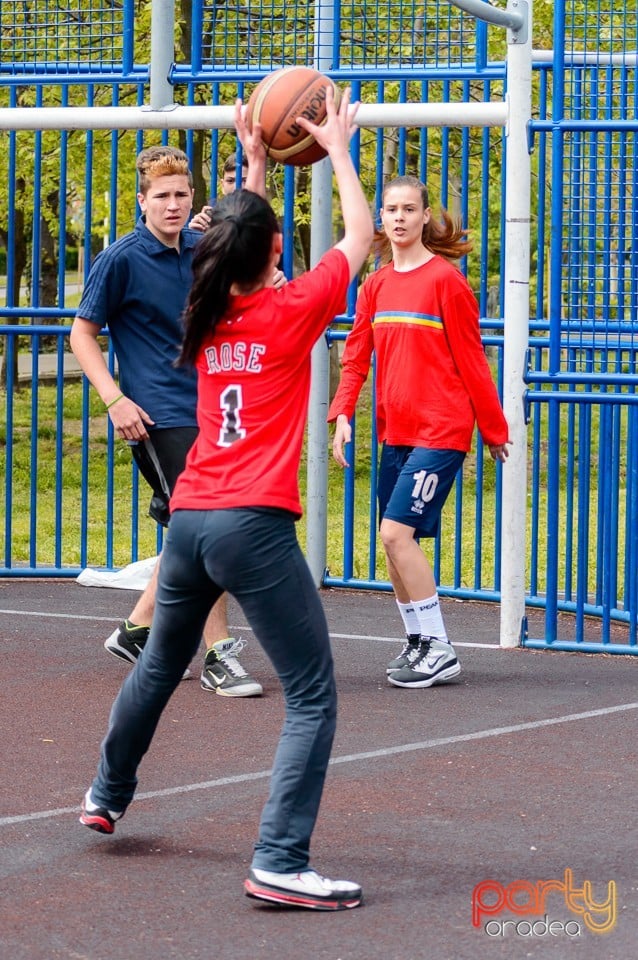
(433, 381)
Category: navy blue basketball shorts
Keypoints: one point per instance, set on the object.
(413, 485)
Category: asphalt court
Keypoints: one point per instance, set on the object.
(505, 797)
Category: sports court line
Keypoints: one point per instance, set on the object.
(347, 758)
(245, 628)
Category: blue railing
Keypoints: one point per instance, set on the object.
(583, 447)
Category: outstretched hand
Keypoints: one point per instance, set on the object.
(339, 125)
(254, 148)
(250, 139)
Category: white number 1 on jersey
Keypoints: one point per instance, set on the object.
(230, 404)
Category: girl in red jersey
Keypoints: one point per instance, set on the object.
(433, 383)
(234, 509)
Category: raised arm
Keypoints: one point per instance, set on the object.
(334, 136)
(253, 148)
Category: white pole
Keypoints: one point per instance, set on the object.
(202, 117)
(516, 314)
(317, 468)
(162, 52)
(320, 241)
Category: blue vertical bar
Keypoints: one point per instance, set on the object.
(379, 156)
(631, 568)
(88, 190)
(59, 451)
(10, 343)
(570, 468)
(445, 151)
(289, 221)
(10, 356)
(374, 459)
(465, 176)
(62, 207)
(617, 458)
(553, 466)
(403, 132)
(197, 38)
(423, 139)
(214, 154)
(37, 208)
(33, 484)
(583, 525)
(457, 568)
(541, 202)
(537, 413)
(128, 36)
(84, 472)
(485, 212)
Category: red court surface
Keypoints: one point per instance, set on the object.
(521, 771)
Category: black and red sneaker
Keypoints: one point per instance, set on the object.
(97, 818)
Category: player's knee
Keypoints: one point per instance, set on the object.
(394, 535)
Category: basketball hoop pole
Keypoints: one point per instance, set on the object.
(321, 240)
(517, 19)
(516, 329)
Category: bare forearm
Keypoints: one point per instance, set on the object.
(256, 179)
(357, 221)
(89, 355)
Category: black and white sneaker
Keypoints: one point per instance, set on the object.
(98, 818)
(224, 674)
(436, 661)
(409, 653)
(127, 642)
(306, 889)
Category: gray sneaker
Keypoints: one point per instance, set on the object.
(409, 653)
(436, 661)
(224, 674)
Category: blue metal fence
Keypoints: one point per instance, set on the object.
(583, 373)
(66, 193)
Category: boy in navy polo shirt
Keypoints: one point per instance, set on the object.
(137, 287)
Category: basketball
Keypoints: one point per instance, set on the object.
(278, 100)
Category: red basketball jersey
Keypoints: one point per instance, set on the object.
(253, 386)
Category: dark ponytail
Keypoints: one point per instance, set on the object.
(236, 248)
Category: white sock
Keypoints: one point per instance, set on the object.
(430, 618)
(410, 619)
(91, 807)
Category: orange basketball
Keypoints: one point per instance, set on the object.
(276, 103)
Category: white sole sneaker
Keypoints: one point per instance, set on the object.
(307, 889)
(407, 677)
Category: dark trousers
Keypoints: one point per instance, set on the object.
(254, 555)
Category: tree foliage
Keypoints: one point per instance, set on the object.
(77, 190)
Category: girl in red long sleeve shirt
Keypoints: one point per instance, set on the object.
(419, 315)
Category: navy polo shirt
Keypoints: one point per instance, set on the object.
(138, 288)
